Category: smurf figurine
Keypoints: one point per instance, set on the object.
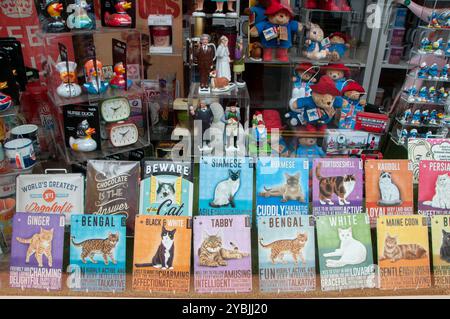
(305, 75)
(442, 95)
(403, 136)
(95, 81)
(425, 46)
(79, 17)
(422, 73)
(428, 134)
(433, 117)
(432, 95)
(413, 133)
(118, 80)
(67, 73)
(438, 47)
(417, 116)
(445, 72)
(412, 92)
(423, 95)
(447, 50)
(433, 72)
(425, 116)
(406, 116)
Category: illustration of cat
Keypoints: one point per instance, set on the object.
(164, 192)
(293, 246)
(165, 253)
(351, 251)
(40, 244)
(226, 190)
(104, 247)
(212, 254)
(341, 186)
(394, 251)
(291, 190)
(390, 194)
(441, 198)
(445, 247)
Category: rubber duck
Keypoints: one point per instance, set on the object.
(121, 18)
(95, 81)
(79, 17)
(84, 142)
(68, 87)
(118, 80)
(54, 9)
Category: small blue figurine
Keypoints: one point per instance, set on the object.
(416, 117)
(413, 133)
(438, 46)
(447, 50)
(425, 116)
(403, 136)
(423, 71)
(432, 95)
(444, 72)
(428, 134)
(425, 46)
(433, 117)
(433, 72)
(412, 92)
(406, 115)
(423, 94)
(441, 95)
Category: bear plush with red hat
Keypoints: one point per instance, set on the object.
(338, 46)
(352, 93)
(338, 72)
(305, 75)
(320, 108)
(276, 32)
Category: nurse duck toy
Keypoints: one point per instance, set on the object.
(68, 87)
(84, 141)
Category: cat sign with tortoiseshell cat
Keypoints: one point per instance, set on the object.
(37, 251)
(98, 249)
(337, 186)
(162, 253)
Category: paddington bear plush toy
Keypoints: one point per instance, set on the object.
(305, 75)
(352, 93)
(276, 32)
(338, 45)
(338, 72)
(320, 108)
(308, 148)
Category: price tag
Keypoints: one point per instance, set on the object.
(270, 34)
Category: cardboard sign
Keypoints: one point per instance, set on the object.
(434, 188)
(37, 251)
(286, 253)
(440, 240)
(162, 253)
(389, 188)
(222, 254)
(97, 252)
(403, 256)
(337, 186)
(345, 252)
(282, 186)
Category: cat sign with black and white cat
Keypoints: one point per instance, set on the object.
(440, 240)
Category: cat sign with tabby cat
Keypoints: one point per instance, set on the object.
(37, 251)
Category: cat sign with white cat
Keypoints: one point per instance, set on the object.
(434, 188)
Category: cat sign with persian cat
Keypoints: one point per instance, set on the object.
(440, 240)
(37, 251)
(389, 188)
(345, 252)
(434, 188)
(286, 253)
(337, 186)
(282, 186)
(222, 254)
(403, 256)
(162, 253)
(226, 186)
(97, 252)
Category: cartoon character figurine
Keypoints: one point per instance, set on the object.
(276, 32)
(204, 114)
(406, 116)
(54, 22)
(84, 141)
(403, 136)
(352, 93)
(305, 75)
(423, 95)
(417, 116)
(422, 73)
(204, 56)
(412, 93)
(445, 72)
(257, 117)
(121, 18)
(338, 46)
(79, 17)
(425, 46)
(428, 134)
(425, 116)
(438, 47)
(231, 119)
(433, 117)
(239, 61)
(259, 134)
(118, 80)
(320, 108)
(433, 72)
(67, 73)
(95, 81)
(314, 49)
(442, 95)
(432, 95)
(447, 50)
(338, 72)
(413, 133)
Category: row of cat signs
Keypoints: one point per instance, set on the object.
(222, 253)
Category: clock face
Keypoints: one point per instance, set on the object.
(124, 135)
(115, 110)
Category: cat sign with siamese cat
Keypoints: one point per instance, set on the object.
(337, 186)
(434, 188)
(389, 188)
(440, 236)
(37, 251)
(222, 254)
(162, 253)
(403, 256)
(345, 252)
(97, 250)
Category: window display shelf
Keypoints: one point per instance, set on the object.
(409, 101)
(415, 78)
(409, 124)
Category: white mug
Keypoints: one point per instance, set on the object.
(20, 153)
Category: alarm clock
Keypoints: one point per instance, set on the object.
(122, 134)
(115, 109)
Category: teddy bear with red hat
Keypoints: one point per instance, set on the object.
(352, 93)
(320, 108)
(328, 5)
(276, 32)
(305, 74)
(338, 72)
(338, 46)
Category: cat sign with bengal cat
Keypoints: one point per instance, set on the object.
(162, 253)
(286, 253)
(440, 240)
(389, 188)
(403, 256)
(222, 254)
(97, 252)
(37, 251)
